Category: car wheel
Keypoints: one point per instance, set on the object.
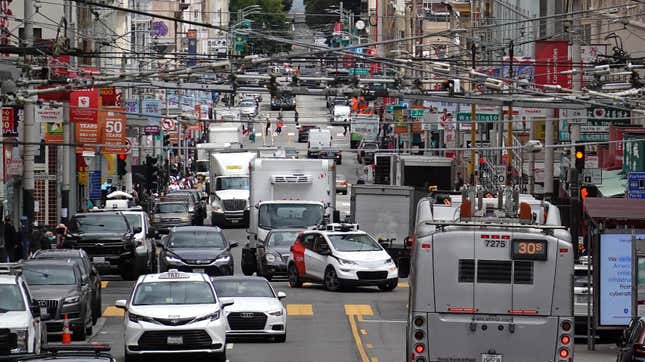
(389, 286)
(294, 278)
(130, 357)
(80, 333)
(220, 356)
(96, 307)
(332, 283)
(281, 338)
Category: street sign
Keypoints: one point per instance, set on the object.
(591, 161)
(500, 174)
(592, 176)
(636, 185)
(417, 112)
(95, 185)
(359, 71)
(151, 130)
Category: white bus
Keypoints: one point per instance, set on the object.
(490, 281)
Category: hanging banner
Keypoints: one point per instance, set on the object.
(192, 47)
(84, 105)
(86, 134)
(108, 96)
(52, 117)
(9, 122)
(112, 123)
(132, 105)
(152, 108)
(551, 60)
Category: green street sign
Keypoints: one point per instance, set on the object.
(417, 113)
(389, 108)
(359, 71)
(479, 117)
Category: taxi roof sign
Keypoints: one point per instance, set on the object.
(174, 274)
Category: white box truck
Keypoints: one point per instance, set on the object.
(287, 194)
(319, 138)
(229, 188)
(221, 136)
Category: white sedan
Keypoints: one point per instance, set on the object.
(257, 309)
(174, 313)
(248, 107)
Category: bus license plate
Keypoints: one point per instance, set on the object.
(175, 340)
(198, 270)
(491, 357)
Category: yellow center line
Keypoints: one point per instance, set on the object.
(355, 313)
(357, 338)
(300, 310)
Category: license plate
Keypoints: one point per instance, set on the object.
(234, 221)
(582, 298)
(98, 259)
(491, 357)
(175, 340)
(198, 270)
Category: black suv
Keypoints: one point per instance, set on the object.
(195, 209)
(60, 288)
(198, 199)
(87, 270)
(108, 239)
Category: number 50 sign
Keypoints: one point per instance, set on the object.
(112, 123)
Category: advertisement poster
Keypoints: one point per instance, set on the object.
(86, 134)
(152, 109)
(596, 127)
(112, 130)
(551, 59)
(52, 118)
(108, 96)
(132, 105)
(84, 105)
(9, 123)
(616, 279)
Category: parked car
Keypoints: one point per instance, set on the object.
(194, 207)
(581, 297)
(169, 214)
(631, 347)
(60, 288)
(88, 270)
(273, 254)
(21, 328)
(341, 184)
(197, 250)
(336, 100)
(248, 107)
(303, 132)
(257, 309)
(109, 240)
(366, 151)
(174, 311)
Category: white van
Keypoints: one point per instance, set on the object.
(341, 115)
(318, 139)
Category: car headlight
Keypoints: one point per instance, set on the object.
(21, 339)
(389, 261)
(212, 317)
(276, 313)
(346, 262)
(270, 258)
(173, 260)
(223, 259)
(72, 299)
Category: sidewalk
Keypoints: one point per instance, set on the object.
(603, 353)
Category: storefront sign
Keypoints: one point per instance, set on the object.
(108, 96)
(9, 122)
(86, 134)
(112, 130)
(552, 59)
(84, 105)
(52, 117)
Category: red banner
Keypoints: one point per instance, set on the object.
(59, 65)
(551, 59)
(84, 105)
(108, 96)
(8, 122)
(112, 130)
(86, 134)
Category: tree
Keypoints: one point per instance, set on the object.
(271, 20)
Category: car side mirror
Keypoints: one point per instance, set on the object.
(282, 295)
(137, 230)
(121, 304)
(226, 302)
(234, 244)
(324, 250)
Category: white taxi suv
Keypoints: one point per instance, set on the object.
(339, 255)
(174, 313)
(20, 315)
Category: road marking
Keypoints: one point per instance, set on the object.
(104, 284)
(355, 312)
(113, 311)
(229, 345)
(300, 310)
(363, 332)
(404, 285)
(382, 321)
(374, 359)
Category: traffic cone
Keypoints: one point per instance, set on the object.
(67, 336)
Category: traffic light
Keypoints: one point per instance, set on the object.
(166, 141)
(580, 158)
(152, 171)
(121, 164)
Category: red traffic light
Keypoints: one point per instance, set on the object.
(584, 192)
(122, 156)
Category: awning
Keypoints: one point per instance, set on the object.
(613, 184)
(614, 209)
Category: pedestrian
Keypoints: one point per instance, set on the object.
(9, 239)
(295, 117)
(279, 126)
(50, 239)
(344, 129)
(37, 238)
(61, 236)
(268, 127)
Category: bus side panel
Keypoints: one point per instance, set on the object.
(466, 337)
(562, 292)
(423, 298)
(533, 279)
(452, 250)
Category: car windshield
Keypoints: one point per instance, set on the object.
(173, 208)
(196, 239)
(284, 216)
(247, 104)
(77, 259)
(243, 288)
(48, 275)
(180, 292)
(11, 300)
(354, 242)
(134, 220)
(232, 183)
(282, 238)
(370, 146)
(98, 223)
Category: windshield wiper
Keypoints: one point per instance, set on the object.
(43, 274)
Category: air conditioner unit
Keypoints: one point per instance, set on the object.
(291, 179)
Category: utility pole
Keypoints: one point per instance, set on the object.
(67, 206)
(509, 130)
(29, 124)
(473, 123)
